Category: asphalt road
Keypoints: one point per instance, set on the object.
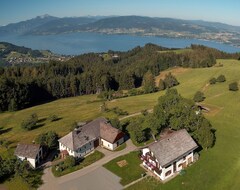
(100, 179)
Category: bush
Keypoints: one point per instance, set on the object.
(119, 111)
(53, 118)
(69, 162)
(170, 81)
(144, 112)
(198, 97)
(161, 85)
(213, 80)
(233, 86)
(30, 123)
(221, 78)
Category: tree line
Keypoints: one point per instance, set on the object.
(23, 86)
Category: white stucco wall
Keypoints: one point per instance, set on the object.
(111, 146)
(144, 151)
(81, 152)
(107, 144)
(165, 170)
(30, 160)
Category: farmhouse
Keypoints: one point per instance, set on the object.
(85, 139)
(33, 153)
(170, 154)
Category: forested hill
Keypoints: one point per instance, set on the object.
(7, 48)
(25, 86)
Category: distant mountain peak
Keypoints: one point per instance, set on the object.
(44, 16)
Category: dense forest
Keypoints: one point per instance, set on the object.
(23, 86)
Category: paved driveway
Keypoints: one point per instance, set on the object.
(90, 177)
(100, 179)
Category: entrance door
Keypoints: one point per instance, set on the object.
(96, 143)
(174, 167)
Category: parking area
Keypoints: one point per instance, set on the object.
(100, 178)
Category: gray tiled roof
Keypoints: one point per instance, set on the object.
(27, 150)
(172, 147)
(108, 133)
(83, 135)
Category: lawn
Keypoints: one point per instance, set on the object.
(16, 183)
(130, 169)
(88, 160)
(218, 168)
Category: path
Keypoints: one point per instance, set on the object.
(51, 182)
(135, 114)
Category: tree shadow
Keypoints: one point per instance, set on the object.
(38, 126)
(42, 120)
(57, 119)
(2, 131)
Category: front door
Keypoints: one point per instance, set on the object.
(96, 143)
(174, 167)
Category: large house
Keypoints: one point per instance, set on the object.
(170, 154)
(33, 153)
(85, 139)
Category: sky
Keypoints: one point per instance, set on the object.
(226, 11)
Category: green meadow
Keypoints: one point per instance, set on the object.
(218, 168)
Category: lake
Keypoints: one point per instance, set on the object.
(79, 43)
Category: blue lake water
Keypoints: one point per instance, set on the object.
(78, 43)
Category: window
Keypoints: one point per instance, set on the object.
(179, 165)
(168, 173)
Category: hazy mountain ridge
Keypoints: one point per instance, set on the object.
(134, 25)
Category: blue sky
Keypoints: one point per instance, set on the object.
(226, 11)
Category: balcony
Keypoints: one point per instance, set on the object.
(145, 159)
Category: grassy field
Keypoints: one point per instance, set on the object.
(17, 183)
(129, 171)
(218, 168)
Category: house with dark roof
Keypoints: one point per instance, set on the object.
(170, 154)
(85, 139)
(33, 153)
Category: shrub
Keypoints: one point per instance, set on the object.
(119, 111)
(144, 112)
(198, 97)
(213, 80)
(53, 118)
(30, 123)
(221, 78)
(233, 86)
(170, 81)
(69, 162)
(161, 85)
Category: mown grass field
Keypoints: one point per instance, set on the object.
(218, 168)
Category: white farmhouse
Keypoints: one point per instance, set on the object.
(33, 153)
(170, 154)
(82, 141)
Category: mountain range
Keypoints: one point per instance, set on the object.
(134, 25)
